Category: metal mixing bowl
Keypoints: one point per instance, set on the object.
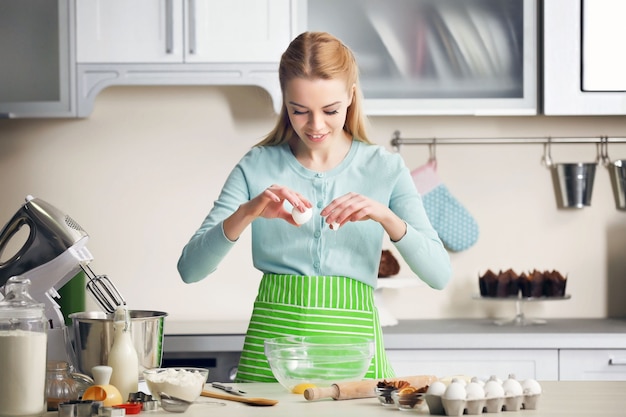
(92, 334)
(318, 360)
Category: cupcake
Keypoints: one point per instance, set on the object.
(512, 286)
(554, 284)
(536, 283)
(488, 284)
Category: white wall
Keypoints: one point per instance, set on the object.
(141, 173)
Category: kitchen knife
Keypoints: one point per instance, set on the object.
(228, 389)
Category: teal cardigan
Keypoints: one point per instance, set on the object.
(313, 249)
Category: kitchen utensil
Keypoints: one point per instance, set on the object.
(240, 399)
(318, 360)
(362, 389)
(130, 408)
(573, 182)
(146, 400)
(173, 404)
(617, 173)
(103, 290)
(53, 252)
(228, 389)
(102, 390)
(92, 336)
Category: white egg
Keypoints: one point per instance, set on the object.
(478, 381)
(474, 391)
(455, 391)
(512, 387)
(334, 226)
(493, 388)
(436, 388)
(531, 387)
(301, 217)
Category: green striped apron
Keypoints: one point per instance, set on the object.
(294, 305)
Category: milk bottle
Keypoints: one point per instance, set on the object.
(123, 356)
(23, 342)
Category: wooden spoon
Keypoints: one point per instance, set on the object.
(238, 398)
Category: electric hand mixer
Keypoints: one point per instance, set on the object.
(53, 253)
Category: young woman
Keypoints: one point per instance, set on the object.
(318, 277)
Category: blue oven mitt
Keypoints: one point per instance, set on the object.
(456, 227)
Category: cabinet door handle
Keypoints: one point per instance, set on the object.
(618, 361)
(192, 26)
(169, 26)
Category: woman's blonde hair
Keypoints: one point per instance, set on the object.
(319, 55)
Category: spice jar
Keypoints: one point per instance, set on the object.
(23, 347)
(60, 386)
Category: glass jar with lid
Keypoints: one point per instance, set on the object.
(60, 385)
(23, 349)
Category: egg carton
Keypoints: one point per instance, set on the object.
(473, 398)
(438, 405)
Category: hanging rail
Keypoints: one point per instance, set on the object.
(396, 141)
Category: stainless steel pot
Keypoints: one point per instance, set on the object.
(92, 334)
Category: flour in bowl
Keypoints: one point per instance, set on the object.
(177, 382)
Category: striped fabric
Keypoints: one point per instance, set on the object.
(293, 305)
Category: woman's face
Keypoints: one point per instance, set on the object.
(317, 109)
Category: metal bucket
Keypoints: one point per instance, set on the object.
(574, 184)
(617, 172)
(92, 334)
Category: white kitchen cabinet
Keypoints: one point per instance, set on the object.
(37, 75)
(582, 60)
(421, 57)
(168, 31)
(540, 364)
(592, 365)
(181, 42)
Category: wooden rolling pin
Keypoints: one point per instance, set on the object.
(362, 389)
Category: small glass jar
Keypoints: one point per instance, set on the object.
(60, 386)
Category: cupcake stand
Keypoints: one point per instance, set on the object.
(520, 318)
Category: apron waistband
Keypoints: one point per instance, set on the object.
(326, 291)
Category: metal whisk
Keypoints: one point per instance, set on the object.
(103, 290)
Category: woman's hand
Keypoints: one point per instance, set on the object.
(353, 207)
(269, 205)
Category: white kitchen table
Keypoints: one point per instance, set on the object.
(559, 398)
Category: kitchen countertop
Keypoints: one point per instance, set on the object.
(428, 334)
(562, 398)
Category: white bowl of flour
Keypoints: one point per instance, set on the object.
(184, 383)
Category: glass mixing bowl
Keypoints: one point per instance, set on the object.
(318, 360)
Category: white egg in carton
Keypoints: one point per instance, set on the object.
(476, 397)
